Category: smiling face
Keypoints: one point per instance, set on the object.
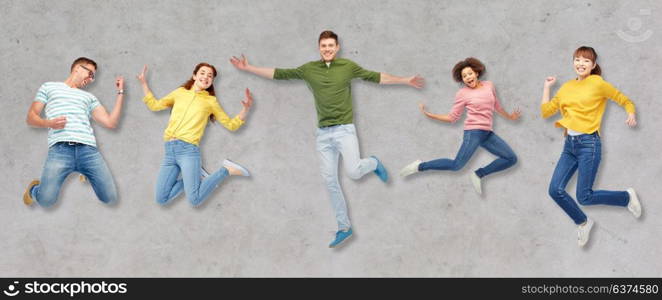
(469, 77)
(204, 78)
(328, 49)
(83, 74)
(583, 66)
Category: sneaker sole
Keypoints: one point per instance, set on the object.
(27, 198)
(406, 171)
(633, 195)
(379, 162)
(588, 236)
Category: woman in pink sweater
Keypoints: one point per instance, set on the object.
(480, 100)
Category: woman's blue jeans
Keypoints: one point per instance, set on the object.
(182, 157)
(581, 153)
(472, 139)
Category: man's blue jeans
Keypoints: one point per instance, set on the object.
(472, 139)
(65, 158)
(332, 142)
(583, 153)
(182, 157)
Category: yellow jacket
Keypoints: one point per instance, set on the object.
(190, 114)
(582, 103)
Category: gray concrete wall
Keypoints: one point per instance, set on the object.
(279, 222)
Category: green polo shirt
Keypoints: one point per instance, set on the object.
(331, 87)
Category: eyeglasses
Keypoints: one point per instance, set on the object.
(90, 72)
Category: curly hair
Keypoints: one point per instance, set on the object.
(470, 62)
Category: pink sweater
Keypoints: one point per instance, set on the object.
(480, 102)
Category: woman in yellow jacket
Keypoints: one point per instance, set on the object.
(193, 105)
(582, 102)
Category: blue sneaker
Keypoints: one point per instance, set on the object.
(380, 171)
(341, 236)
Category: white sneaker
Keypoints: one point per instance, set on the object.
(634, 206)
(410, 168)
(583, 232)
(475, 180)
(234, 165)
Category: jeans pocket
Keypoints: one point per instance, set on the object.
(587, 139)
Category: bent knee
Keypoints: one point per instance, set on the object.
(512, 159)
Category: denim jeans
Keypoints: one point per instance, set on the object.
(332, 142)
(65, 158)
(182, 157)
(472, 139)
(581, 153)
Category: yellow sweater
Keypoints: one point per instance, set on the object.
(582, 103)
(190, 113)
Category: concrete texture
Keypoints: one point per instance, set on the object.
(279, 222)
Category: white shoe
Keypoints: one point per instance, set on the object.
(475, 180)
(204, 172)
(634, 206)
(410, 168)
(231, 164)
(583, 232)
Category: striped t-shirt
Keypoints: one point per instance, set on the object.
(76, 105)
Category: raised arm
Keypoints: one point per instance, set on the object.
(149, 99)
(111, 120)
(242, 64)
(443, 118)
(143, 81)
(548, 107)
(414, 81)
(236, 122)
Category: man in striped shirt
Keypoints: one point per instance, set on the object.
(72, 145)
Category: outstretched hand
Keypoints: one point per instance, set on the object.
(416, 81)
(421, 107)
(248, 101)
(239, 63)
(141, 76)
(515, 115)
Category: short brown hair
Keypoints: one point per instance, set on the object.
(328, 34)
(83, 60)
(470, 62)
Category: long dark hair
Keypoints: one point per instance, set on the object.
(189, 83)
(588, 52)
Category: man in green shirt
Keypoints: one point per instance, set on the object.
(330, 81)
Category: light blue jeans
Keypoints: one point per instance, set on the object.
(332, 142)
(65, 158)
(182, 157)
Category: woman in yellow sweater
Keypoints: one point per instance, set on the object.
(193, 105)
(582, 102)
